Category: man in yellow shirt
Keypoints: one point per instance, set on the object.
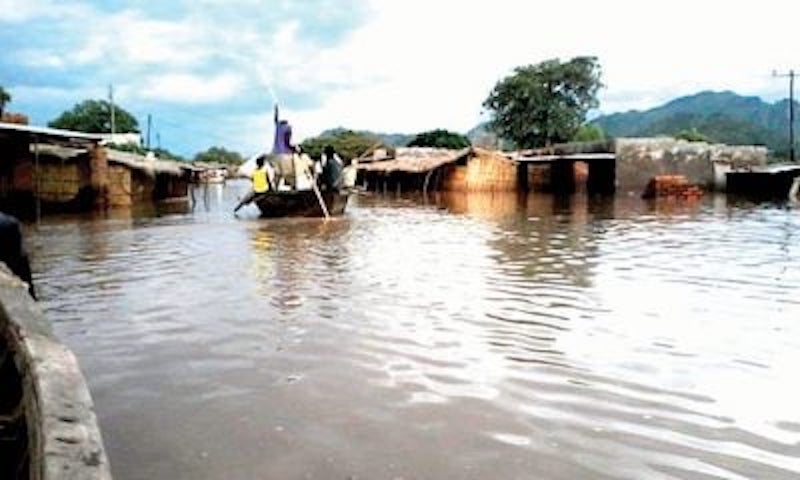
(260, 184)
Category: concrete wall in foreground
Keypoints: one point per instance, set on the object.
(63, 439)
(640, 159)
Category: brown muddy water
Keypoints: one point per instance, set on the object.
(469, 337)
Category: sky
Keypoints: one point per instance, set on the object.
(209, 71)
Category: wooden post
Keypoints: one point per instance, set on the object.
(98, 177)
(37, 180)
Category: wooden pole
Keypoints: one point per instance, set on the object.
(791, 115)
(321, 201)
(37, 184)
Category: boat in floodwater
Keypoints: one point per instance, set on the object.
(300, 203)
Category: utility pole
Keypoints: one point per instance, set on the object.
(113, 113)
(149, 124)
(790, 75)
(158, 140)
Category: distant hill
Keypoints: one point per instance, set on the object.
(393, 139)
(721, 116)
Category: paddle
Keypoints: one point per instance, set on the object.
(319, 195)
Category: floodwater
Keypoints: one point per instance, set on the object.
(466, 337)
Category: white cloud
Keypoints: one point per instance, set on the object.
(420, 64)
(129, 38)
(17, 11)
(432, 63)
(185, 88)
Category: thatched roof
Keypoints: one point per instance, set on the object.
(149, 166)
(425, 159)
(416, 160)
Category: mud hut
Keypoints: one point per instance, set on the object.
(52, 170)
(427, 169)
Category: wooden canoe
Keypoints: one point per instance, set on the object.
(300, 203)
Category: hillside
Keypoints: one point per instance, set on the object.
(393, 139)
(721, 116)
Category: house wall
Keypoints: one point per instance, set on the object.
(142, 186)
(119, 186)
(640, 159)
(484, 171)
(59, 182)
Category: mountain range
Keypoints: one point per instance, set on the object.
(724, 117)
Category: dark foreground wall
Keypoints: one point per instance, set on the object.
(46, 411)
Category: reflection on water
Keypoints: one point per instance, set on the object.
(458, 336)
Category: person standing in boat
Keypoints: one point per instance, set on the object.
(349, 175)
(332, 165)
(282, 152)
(260, 184)
(304, 169)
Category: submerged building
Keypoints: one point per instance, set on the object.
(625, 164)
(52, 170)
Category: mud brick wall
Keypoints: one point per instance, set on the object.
(640, 159)
(484, 171)
(119, 186)
(539, 178)
(59, 182)
(142, 186)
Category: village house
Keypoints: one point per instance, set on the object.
(51, 170)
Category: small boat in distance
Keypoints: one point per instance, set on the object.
(300, 203)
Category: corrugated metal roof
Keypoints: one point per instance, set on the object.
(45, 133)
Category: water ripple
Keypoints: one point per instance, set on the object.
(483, 336)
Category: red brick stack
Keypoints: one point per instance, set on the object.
(671, 186)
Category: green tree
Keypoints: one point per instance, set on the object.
(161, 153)
(5, 98)
(348, 144)
(589, 132)
(544, 103)
(94, 116)
(692, 135)
(219, 155)
(441, 139)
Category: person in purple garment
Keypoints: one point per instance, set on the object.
(282, 150)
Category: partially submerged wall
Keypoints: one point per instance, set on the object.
(62, 440)
(484, 171)
(640, 159)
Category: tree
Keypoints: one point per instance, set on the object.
(589, 132)
(441, 139)
(219, 155)
(161, 153)
(5, 98)
(94, 116)
(544, 103)
(348, 144)
(692, 135)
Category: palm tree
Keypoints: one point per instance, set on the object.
(5, 97)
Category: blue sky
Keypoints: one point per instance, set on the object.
(205, 69)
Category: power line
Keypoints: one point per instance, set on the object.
(113, 113)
